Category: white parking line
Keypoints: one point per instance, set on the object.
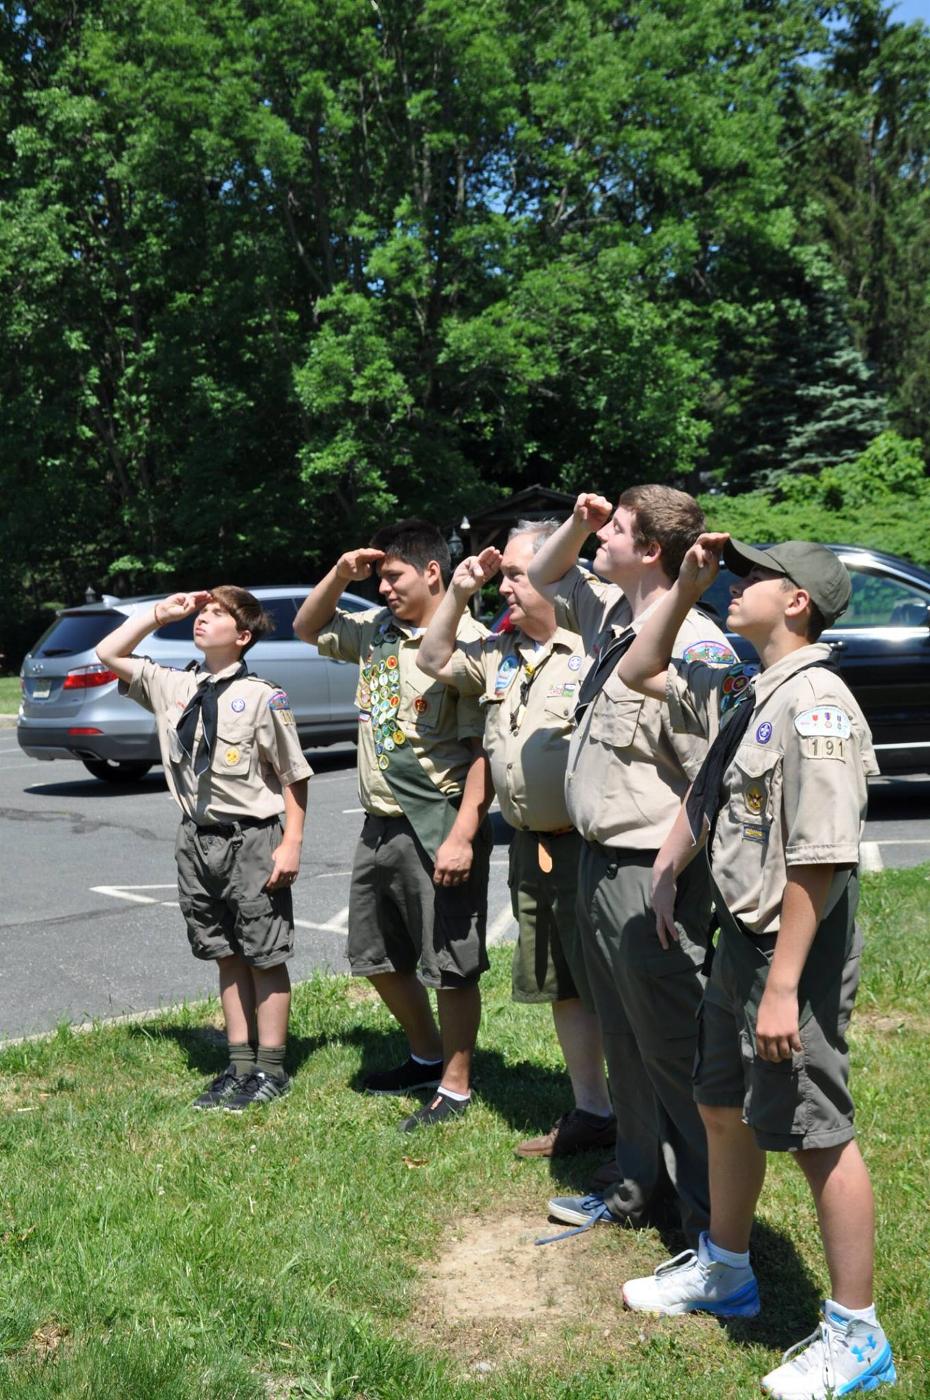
(131, 892)
(337, 923)
(501, 926)
(352, 811)
(870, 857)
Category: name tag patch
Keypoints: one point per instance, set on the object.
(828, 720)
(756, 833)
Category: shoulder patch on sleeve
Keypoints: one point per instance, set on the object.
(279, 701)
(827, 720)
(713, 653)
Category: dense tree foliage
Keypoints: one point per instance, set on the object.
(271, 270)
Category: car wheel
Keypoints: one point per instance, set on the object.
(109, 771)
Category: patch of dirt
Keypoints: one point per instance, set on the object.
(360, 990)
(46, 1340)
(492, 1271)
(882, 1024)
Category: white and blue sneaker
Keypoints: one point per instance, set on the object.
(695, 1283)
(844, 1355)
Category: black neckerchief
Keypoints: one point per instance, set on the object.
(205, 703)
(601, 671)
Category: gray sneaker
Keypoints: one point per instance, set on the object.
(221, 1090)
(256, 1089)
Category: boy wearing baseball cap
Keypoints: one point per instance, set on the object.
(780, 802)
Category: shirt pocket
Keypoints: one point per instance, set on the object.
(616, 715)
(232, 754)
(423, 702)
(560, 709)
(755, 785)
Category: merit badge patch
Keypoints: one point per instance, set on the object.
(828, 721)
(735, 682)
(237, 706)
(420, 705)
(764, 733)
(711, 652)
(279, 701)
(574, 663)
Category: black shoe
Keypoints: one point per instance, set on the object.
(221, 1090)
(439, 1110)
(403, 1079)
(256, 1089)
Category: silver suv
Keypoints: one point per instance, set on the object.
(71, 707)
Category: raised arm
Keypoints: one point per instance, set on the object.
(560, 551)
(318, 607)
(645, 665)
(438, 641)
(115, 651)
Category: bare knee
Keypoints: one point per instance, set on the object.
(720, 1120)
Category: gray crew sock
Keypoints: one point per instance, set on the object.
(270, 1059)
(242, 1058)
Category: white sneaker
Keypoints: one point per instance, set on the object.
(695, 1283)
(840, 1357)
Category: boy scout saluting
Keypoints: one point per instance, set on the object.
(234, 765)
(527, 680)
(627, 774)
(781, 802)
(420, 876)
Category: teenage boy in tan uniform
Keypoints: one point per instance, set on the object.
(526, 680)
(419, 881)
(781, 802)
(627, 773)
(234, 766)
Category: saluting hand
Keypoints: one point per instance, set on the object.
(592, 510)
(357, 564)
(701, 564)
(179, 605)
(476, 570)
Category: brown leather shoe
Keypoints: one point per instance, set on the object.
(577, 1131)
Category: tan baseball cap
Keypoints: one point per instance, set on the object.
(811, 566)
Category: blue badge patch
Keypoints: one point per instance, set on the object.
(279, 701)
(764, 733)
(711, 652)
(505, 673)
(237, 706)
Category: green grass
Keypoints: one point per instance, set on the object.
(146, 1251)
(9, 695)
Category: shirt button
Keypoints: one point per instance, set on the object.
(509, 767)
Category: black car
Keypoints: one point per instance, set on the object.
(881, 648)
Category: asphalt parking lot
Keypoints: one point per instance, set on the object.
(89, 923)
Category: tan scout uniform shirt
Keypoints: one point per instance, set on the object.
(795, 794)
(437, 721)
(627, 769)
(526, 740)
(257, 750)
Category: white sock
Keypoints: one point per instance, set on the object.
(726, 1256)
(835, 1312)
(451, 1094)
(418, 1061)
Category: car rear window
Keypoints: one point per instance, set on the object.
(281, 609)
(75, 632)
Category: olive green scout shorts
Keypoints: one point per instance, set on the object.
(221, 876)
(805, 1101)
(400, 921)
(544, 908)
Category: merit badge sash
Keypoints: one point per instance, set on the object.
(429, 811)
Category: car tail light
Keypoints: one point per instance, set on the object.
(85, 677)
(85, 731)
